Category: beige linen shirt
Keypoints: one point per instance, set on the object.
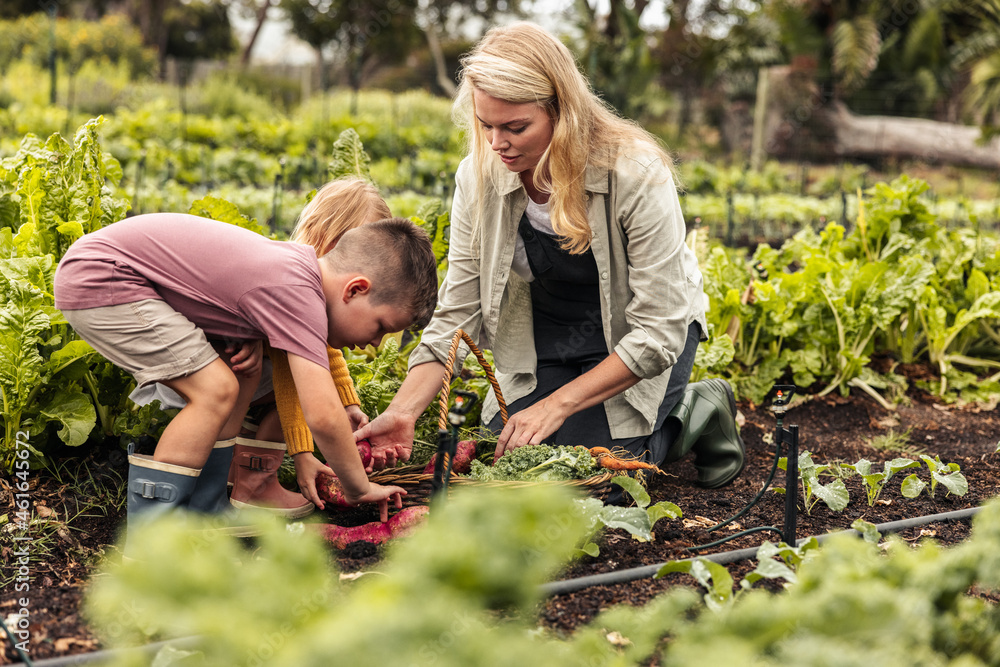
(650, 284)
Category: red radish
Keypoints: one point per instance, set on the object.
(465, 451)
(331, 492)
(399, 525)
(365, 451)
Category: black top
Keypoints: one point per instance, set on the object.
(565, 298)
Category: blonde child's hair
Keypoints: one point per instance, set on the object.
(522, 63)
(339, 205)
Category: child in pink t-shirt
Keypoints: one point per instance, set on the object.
(148, 292)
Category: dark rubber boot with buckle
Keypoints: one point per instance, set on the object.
(211, 495)
(155, 490)
(707, 414)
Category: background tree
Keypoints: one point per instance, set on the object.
(979, 53)
(197, 30)
(438, 19)
(364, 33)
(615, 53)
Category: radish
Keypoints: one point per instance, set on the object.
(465, 451)
(332, 493)
(365, 451)
(399, 525)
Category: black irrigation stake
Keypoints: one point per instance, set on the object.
(140, 169)
(277, 193)
(843, 209)
(448, 443)
(782, 436)
(730, 219)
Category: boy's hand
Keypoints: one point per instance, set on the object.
(248, 358)
(391, 438)
(382, 495)
(357, 417)
(308, 468)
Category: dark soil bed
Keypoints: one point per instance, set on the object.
(832, 428)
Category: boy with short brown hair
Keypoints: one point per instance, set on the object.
(149, 291)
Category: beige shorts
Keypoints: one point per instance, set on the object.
(149, 339)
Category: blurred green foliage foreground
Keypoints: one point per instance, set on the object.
(464, 591)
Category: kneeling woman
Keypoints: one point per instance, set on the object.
(568, 261)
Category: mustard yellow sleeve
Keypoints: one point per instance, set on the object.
(342, 377)
(298, 437)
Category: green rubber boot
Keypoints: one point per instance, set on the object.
(707, 413)
(155, 489)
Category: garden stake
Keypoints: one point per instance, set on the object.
(790, 437)
(448, 443)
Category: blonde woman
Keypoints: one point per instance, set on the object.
(568, 261)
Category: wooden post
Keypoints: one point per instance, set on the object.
(759, 113)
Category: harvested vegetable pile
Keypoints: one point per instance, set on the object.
(376, 532)
(538, 463)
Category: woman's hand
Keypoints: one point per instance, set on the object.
(530, 426)
(391, 438)
(308, 469)
(357, 417)
(248, 357)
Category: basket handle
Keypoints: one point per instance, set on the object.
(449, 373)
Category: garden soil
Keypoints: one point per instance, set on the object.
(832, 428)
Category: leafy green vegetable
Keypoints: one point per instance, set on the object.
(947, 474)
(349, 157)
(538, 463)
(835, 494)
(216, 208)
(876, 481)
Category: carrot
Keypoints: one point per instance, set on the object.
(399, 525)
(465, 451)
(606, 459)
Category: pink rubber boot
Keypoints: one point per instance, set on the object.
(255, 480)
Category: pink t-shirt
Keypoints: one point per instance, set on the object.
(229, 281)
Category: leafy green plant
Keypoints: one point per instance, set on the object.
(947, 474)
(774, 561)
(51, 193)
(876, 481)
(892, 442)
(349, 157)
(638, 520)
(869, 533)
(835, 494)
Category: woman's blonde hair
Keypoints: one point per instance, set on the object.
(338, 206)
(522, 63)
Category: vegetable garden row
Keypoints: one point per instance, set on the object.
(264, 164)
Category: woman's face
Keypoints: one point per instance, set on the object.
(519, 133)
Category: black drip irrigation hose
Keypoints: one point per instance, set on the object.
(101, 657)
(726, 557)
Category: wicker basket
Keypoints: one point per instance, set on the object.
(418, 483)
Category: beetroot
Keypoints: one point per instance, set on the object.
(331, 492)
(365, 451)
(465, 451)
(376, 532)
